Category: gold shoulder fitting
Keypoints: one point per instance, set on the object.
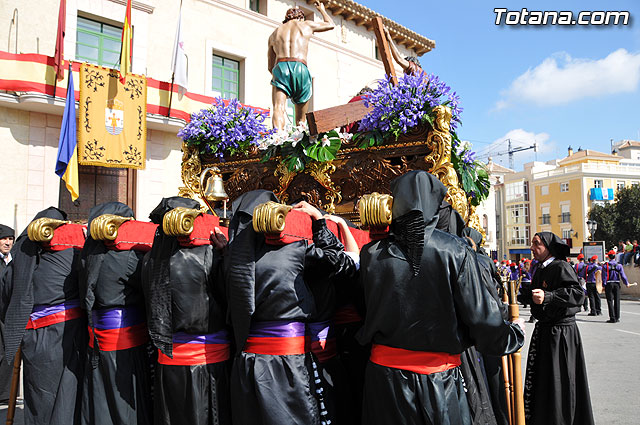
(105, 227)
(269, 217)
(179, 221)
(41, 229)
(375, 210)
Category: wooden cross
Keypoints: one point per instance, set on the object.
(327, 119)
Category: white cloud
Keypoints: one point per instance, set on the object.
(519, 138)
(561, 79)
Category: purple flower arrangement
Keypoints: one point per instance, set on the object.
(396, 109)
(226, 128)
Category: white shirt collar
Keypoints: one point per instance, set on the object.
(5, 258)
(547, 261)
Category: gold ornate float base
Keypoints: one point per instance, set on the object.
(336, 186)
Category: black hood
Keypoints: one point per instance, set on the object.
(167, 204)
(92, 256)
(240, 262)
(24, 254)
(557, 247)
(115, 208)
(449, 220)
(156, 284)
(416, 198)
(417, 191)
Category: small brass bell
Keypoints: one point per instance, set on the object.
(214, 189)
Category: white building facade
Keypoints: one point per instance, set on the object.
(226, 45)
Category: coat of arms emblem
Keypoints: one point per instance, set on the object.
(114, 117)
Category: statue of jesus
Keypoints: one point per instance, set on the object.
(288, 47)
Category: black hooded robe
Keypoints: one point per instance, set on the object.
(493, 370)
(268, 284)
(556, 390)
(193, 307)
(471, 365)
(53, 356)
(117, 388)
(422, 294)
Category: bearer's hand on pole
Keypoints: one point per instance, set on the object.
(537, 295)
(218, 239)
(306, 207)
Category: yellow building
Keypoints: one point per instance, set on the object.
(556, 196)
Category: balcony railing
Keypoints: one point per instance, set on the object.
(545, 219)
(565, 217)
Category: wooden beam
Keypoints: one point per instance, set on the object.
(349, 16)
(327, 119)
(384, 50)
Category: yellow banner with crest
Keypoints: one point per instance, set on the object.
(112, 118)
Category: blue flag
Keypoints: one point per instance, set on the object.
(67, 163)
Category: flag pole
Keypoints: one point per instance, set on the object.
(173, 66)
(173, 75)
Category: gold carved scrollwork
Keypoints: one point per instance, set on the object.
(439, 161)
(179, 221)
(42, 229)
(321, 172)
(269, 217)
(284, 179)
(375, 210)
(191, 169)
(105, 227)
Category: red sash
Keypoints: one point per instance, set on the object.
(276, 346)
(120, 338)
(423, 362)
(195, 354)
(192, 349)
(56, 314)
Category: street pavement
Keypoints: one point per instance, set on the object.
(612, 351)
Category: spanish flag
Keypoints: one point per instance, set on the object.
(67, 163)
(126, 50)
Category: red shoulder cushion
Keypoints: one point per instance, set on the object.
(297, 226)
(133, 234)
(203, 225)
(67, 236)
(362, 237)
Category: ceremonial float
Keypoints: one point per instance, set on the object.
(403, 124)
(334, 169)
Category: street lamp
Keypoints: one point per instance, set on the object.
(592, 225)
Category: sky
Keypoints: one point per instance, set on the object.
(557, 86)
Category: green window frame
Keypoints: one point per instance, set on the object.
(98, 43)
(225, 77)
(254, 5)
